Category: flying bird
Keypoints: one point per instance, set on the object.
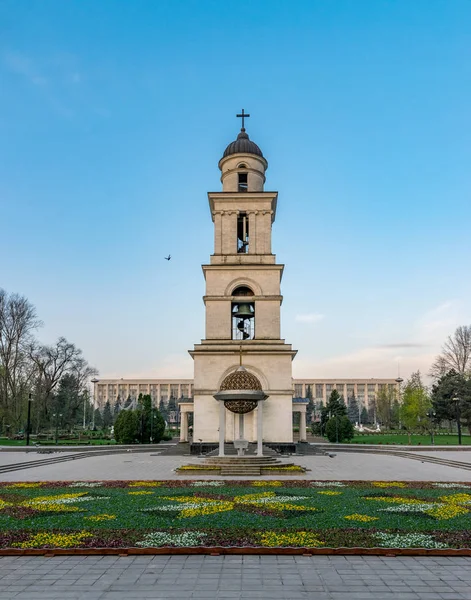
(167, 257)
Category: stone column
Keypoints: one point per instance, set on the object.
(222, 427)
(252, 233)
(217, 232)
(259, 428)
(302, 425)
(184, 427)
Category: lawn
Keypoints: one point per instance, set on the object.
(402, 439)
(255, 514)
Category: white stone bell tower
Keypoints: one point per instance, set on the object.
(243, 301)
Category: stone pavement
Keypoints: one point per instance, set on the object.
(152, 465)
(235, 577)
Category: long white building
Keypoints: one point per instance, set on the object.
(319, 390)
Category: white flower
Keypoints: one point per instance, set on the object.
(409, 540)
(450, 485)
(86, 484)
(327, 484)
(408, 508)
(74, 500)
(162, 538)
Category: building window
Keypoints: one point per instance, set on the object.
(243, 183)
(298, 390)
(319, 391)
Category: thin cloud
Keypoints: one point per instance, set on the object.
(23, 65)
(402, 345)
(309, 318)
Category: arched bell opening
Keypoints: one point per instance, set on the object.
(243, 320)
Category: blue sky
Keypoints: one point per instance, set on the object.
(114, 114)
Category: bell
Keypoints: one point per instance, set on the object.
(244, 311)
(240, 325)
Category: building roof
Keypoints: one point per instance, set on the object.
(242, 145)
(240, 380)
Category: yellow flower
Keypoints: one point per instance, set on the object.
(206, 509)
(25, 484)
(394, 499)
(329, 493)
(3, 504)
(266, 483)
(58, 503)
(456, 499)
(247, 498)
(388, 484)
(55, 540)
(145, 484)
(103, 517)
(141, 493)
(446, 511)
(273, 539)
(361, 518)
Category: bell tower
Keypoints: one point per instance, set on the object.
(243, 300)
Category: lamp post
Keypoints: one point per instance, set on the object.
(458, 418)
(94, 381)
(58, 416)
(431, 414)
(399, 381)
(28, 423)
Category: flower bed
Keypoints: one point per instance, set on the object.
(263, 515)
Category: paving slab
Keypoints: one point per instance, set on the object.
(287, 583)
(136, 466)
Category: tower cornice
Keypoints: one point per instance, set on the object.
(229, 202)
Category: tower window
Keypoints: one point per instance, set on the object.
(242, 233)
(243, 320)
(243, 183)
(242, 290)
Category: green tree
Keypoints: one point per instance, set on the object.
(126, 427)
(352, 409)
(339, 429)
(335, 406)
(116, 408)
(157, 426)
(310, 411)
(395, 413)
(384, 404)
(415, 407)
(451, 399)
(98, 419)
(107, 415)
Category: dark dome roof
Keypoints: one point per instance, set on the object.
(242, 145)
(240, 380)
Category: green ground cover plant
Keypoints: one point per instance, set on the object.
(262, 514)
(401, 439)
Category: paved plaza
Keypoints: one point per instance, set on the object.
(152, 465)
(235, 577)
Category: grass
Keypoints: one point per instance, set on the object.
(402, 439)
(261, 514)
(42, 442)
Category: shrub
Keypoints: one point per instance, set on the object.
(339, 428)
(126, 427)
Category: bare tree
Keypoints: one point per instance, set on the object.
(52, 363)
(18, 320)
(456, 354)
